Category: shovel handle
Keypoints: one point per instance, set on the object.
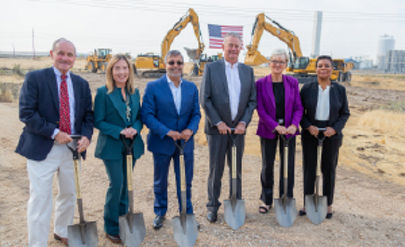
(78, 192)
(233, 162)
(129, 171)
(77, 182)
(182, 168)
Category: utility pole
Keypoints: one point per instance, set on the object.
(33, 44)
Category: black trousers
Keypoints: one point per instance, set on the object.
(330, 154)
(269, 147)
(219, 146)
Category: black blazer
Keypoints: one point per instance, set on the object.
(339, 107)
(39, 110)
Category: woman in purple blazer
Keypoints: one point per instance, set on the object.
(278, 99)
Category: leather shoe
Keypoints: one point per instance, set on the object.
(59, 238)
(329, 215)
(212, 216)
(158, 222)
(114, 238)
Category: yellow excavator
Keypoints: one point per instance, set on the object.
(301, 67)
(152, 65)
(98, 60)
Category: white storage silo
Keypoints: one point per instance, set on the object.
(385, 44)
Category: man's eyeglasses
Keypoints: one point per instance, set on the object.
(173, 62)
(278, 62)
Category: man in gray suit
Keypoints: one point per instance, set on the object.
(228, 97)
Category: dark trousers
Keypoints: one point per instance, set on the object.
(161, 170)
(116, 202)
(219, 146)
(330, 154)
(269, 147)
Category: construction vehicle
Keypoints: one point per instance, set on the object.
(98, 60)
(152, 65)
(301, 67)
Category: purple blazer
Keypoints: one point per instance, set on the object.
(266, 105)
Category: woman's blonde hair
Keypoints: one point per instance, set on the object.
(110, 83)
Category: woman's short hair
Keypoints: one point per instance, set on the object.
(279, 52)
(324, 57)
(110, 83)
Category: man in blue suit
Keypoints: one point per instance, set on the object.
(54, 103)
(171, 111)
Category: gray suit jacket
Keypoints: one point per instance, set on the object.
(214, 96)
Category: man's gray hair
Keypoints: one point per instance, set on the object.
(62, 40)
(279, 52)
(233, 34)
(173, 53)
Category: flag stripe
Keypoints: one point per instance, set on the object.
(218, 32)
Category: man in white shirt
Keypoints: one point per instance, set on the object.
(171, 111)
(228, 97)
(54, 104)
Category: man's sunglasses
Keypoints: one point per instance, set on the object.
(173, 62)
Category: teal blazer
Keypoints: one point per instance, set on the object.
(110, 119)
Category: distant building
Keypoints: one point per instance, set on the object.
(385, 44)
(395, 61)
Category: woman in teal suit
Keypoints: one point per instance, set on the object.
(116, 113)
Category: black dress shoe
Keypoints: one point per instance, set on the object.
(158, 222)
(329, 215)
(302, 213)
(212, 216)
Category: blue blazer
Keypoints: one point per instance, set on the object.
(39, 110)
(160, 115)
(110, 119)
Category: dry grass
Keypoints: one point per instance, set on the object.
(379, 81)
(375, 143)
(27, 64)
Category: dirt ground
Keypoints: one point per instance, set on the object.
(369, 202)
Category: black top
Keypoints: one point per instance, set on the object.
(278, 90)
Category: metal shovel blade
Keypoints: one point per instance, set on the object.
(285, 212)
(185, 234)
(316, 208)
(83, 234)
(234, 214)
(132, 229)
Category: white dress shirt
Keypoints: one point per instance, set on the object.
(322, 107)
(232, 77)
(176, 92)
(71, 94)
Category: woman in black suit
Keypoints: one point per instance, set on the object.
(325, 106)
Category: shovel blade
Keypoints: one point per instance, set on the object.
(185, 234)
(316, 208)
(83, 234)
(132, 229)
(285, 212)
(234, 215)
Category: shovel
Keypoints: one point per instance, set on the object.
(286, 211)
(184, 226)
(234, 209)
(132, 225)
(316, 205)
(83, 234)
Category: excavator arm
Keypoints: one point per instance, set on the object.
(253, 56)
(192, 17)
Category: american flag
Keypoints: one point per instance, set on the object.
(217, 33)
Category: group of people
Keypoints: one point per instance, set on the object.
(55, 104)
